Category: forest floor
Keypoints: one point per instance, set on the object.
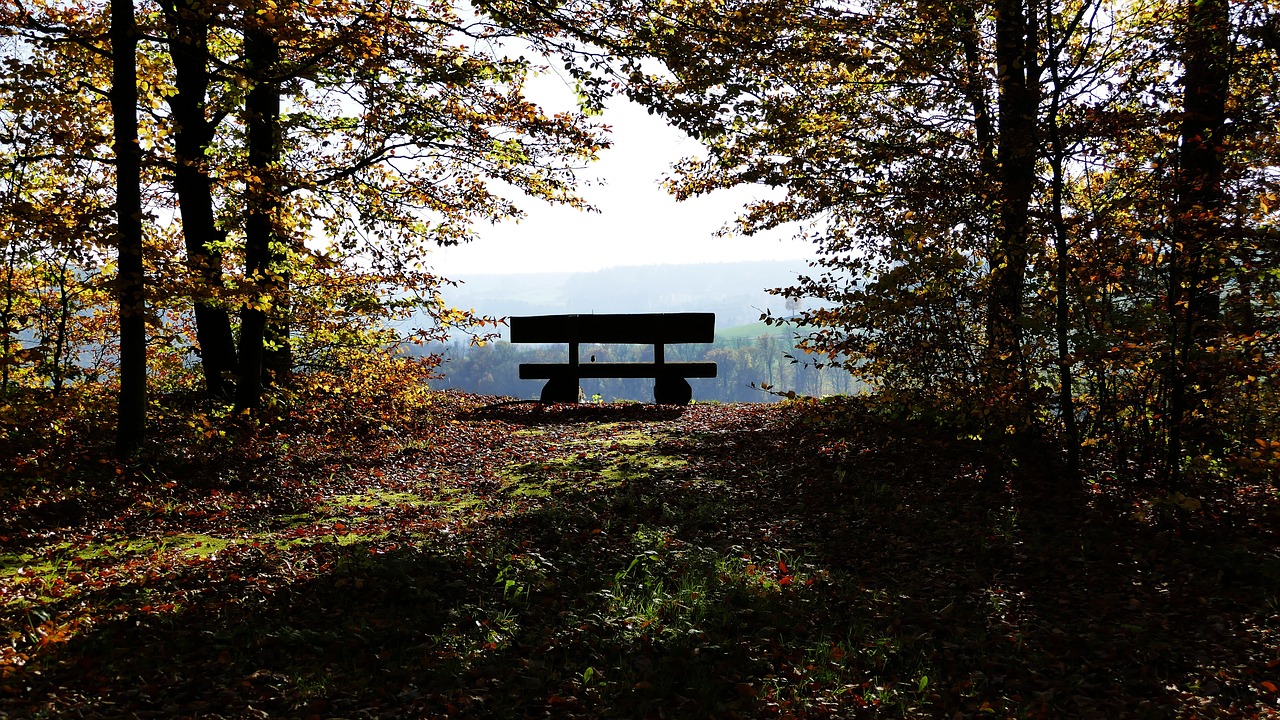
(800, 559)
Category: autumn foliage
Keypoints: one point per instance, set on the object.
(1045, 224)
(298, 162)
(1046, 237)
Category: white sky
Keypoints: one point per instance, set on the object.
(638, 222)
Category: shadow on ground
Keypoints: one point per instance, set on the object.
(773, 569)
(531, 412)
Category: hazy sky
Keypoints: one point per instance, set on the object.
(638, 222)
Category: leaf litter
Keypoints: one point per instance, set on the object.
(801, 559)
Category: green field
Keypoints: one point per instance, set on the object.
(752, 330)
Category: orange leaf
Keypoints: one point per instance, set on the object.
(1268, 686)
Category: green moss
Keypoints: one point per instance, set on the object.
(55, 572)
(374, 497)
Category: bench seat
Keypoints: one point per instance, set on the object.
(547, 371)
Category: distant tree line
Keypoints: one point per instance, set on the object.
(748, 370)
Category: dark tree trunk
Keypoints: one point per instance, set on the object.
(1016, 47)
(976, 91)
(1062, 275)
(59, 366)
(1269, 33)
(189, 48)
(1195, 255)
(7, 325)
(262, 117)
(131, 417)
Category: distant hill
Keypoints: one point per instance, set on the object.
(734, 291)
(753, 330)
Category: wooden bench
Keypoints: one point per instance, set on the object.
(658, 329)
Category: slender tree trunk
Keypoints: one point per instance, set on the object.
(1195, 255)
(1062, 275)
(7, 317)
(1244, 321)
(189, 48)
(1270, 33)
(58, 368)
(277, 353)
(262, 117)
(1016, 47)
(976, 91)
(131, 415)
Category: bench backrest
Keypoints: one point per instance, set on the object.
(640, 329)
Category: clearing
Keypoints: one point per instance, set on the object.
(801, 559)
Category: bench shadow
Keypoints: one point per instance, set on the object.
(533, 413)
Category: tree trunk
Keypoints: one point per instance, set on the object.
(1016, 47)
(1196, 255)
(976, 89)
(131, 417)
(189, 48)
(59, 366)
(1062, 276)
(7, 324)
(262, 117)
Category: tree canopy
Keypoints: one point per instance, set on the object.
(1046, 244)
(1039, 222)
(297, 163)
(1042, 221)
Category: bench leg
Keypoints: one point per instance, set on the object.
(672, 391)
(560, 390)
